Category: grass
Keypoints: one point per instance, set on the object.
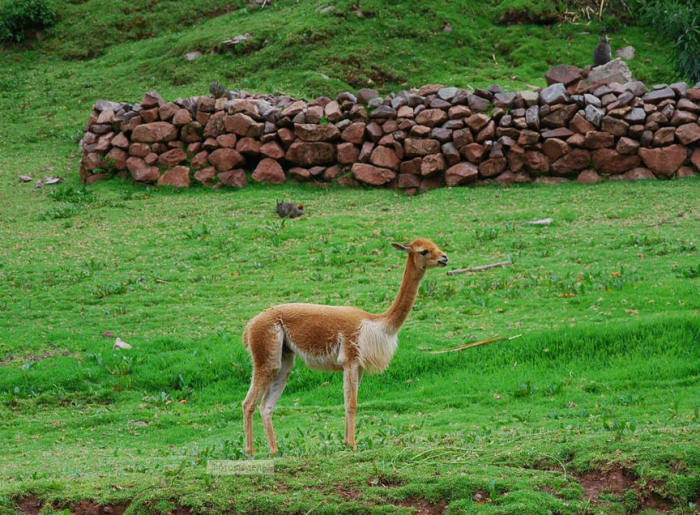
(592, 410)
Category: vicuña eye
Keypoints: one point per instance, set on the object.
(423, 252)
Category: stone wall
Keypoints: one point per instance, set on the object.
(415, 140)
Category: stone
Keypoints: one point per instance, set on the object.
(532, 117)
(487, 133)
(412, 166)
(139, 149)
(554, 94)
(152, 132)
(659, 95)
(333, 112)
(316, 132)
(636, 116)
(300, 174)
(554, 148)
(664, 161)
(272, 149)
(560, 117)
(171, 158)
(509, 177)
(564, 74)
(152, 99)
(141, 171)
(405, 112)
(249, 147)
(536, 162)
(234, 178)
(462, 137)
(613, 71)
(492, 167)
(516, 158)
(627, 146)
(594, 115)
(347, 153)
(432, 164)
(429, 89)
(206, 175)
(626, 53)
(151, 159)
(366, 94)
(473, 152)
(238, 123)
(682, 117)
(609, 161)
(294, 109)
(530, 98)
(664, 136)
(458, 112)
(574, 161)
(269, 170)
(461, 173)
(688, 134)
(226, 159)
(431, 183)
(372, 175)
(477, 103)
(383, 112)
(408, 180)
(447, 93)
(588, 177)
(452, 156)
(116, 158)
(354, 133)
(227, 140)
(192, 132)
(374, 131)
(614, 126)
(580, 125)
(638, 174)
(431, 117)
(695, 158)
(420, 147)
(560, 133)
(200, 160)
(504, 100)
(385, 157)
(685, 172)
(477, 122)
(528, 138)
(596, 139)
(178, 177)
(309, 154)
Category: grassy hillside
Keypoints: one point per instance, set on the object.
(593, 409)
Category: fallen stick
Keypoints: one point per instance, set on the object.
(479, 268)
(475, 344)
(544, 221)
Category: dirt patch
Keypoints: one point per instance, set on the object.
(27, 358)
(423, 507)
(32, 506)
(617, 481)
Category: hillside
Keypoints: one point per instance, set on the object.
(115, 50)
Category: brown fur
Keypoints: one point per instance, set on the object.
(328, 338)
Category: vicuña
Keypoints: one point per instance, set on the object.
(328, 338)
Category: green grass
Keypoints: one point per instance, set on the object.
(604, 379)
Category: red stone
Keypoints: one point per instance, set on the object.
(311, 153)
(384, 157)
(492, 167)
(688, 133)
(348, 153)
(225, 159)
(227, 141)
(269, 170)
(249, 147)
(206, 175)
(607, 160)
(200, 160)
(409, 180)
(182, 117)
(116, 158)
(461, 173)
(372, 175)
(354, 133)
(432, 164)
(141, 171)
(421, 147)
(574, 161)
(171, 158)
(664, 161)
(234, 178)
(272, 149)
(316, 132)
(178, 177)
(536, 162)
(588, 177)
(554, 148)
(597, 139)
(474, 152)
(431, 117)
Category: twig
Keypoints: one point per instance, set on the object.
(479, 268)
(475, 344)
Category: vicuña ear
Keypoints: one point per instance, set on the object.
(400, 246)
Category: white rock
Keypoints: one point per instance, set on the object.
(121, 344)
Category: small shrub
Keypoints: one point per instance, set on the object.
(19, 16)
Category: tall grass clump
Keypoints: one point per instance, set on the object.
(678, 21)
(18, 17)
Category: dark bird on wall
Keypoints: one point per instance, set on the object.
(602, 53)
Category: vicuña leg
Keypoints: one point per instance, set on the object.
(351, 382)
(262, 379)
(272, 396)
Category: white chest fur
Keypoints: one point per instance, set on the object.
(376, 346)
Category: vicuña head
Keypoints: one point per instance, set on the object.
(337, 338)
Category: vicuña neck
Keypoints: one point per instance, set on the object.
(397, 313)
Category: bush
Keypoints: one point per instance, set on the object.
(679, 21)
(19, 16)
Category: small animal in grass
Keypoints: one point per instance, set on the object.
(289, 209)
(219, 91)
(602, 53)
